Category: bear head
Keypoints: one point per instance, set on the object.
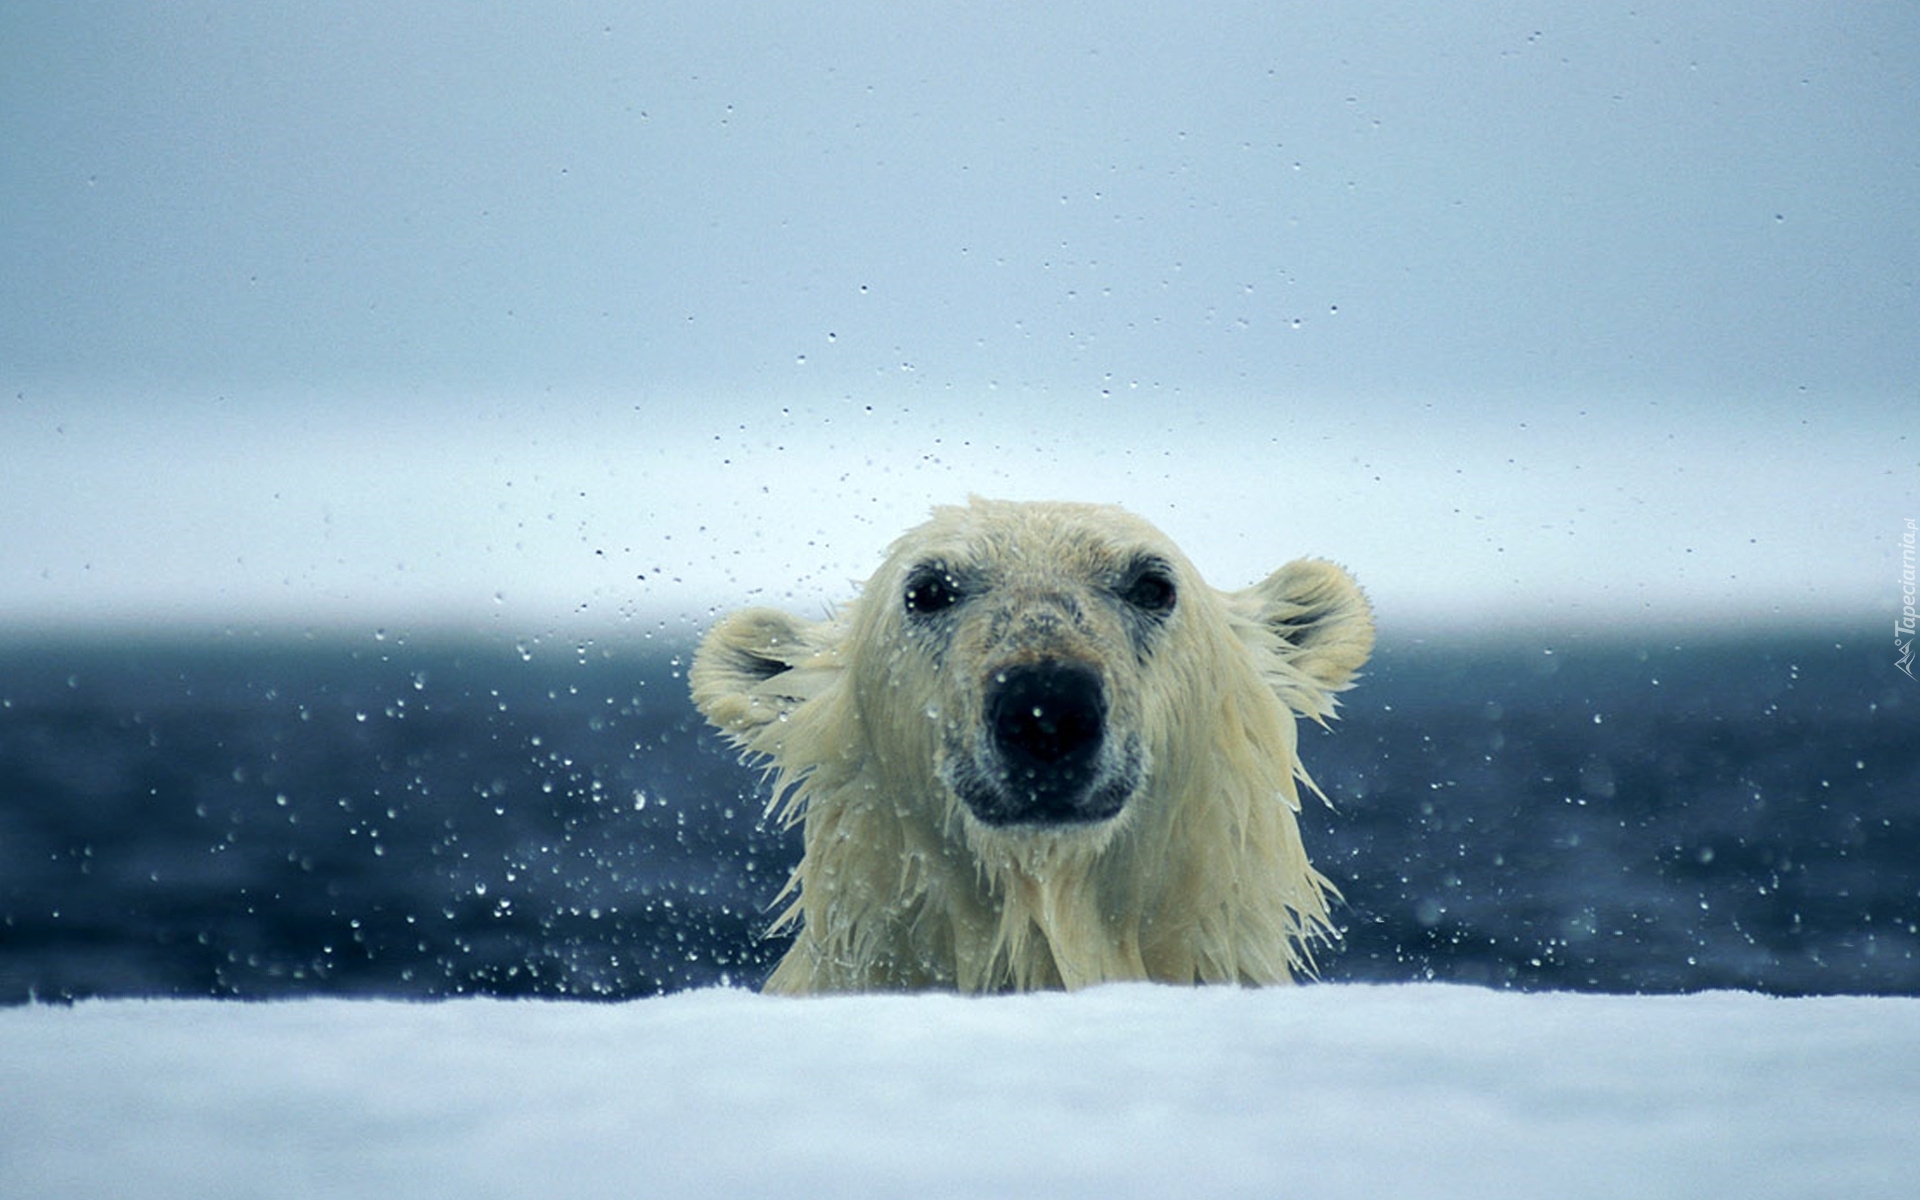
(1029, 681)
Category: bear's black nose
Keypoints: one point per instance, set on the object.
(1048, 721)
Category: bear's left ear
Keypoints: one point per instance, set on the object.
(758, 665)
(1323, 626)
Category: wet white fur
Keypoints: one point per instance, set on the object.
(1202, 878)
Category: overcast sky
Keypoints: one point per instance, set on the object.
(531, 316)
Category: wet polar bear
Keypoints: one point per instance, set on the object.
(1039, 751)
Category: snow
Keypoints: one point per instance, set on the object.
(1328, 1090)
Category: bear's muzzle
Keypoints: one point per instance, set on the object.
(1044, 758)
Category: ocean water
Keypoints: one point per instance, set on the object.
(252, 817)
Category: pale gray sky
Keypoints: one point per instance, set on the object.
(536, 316)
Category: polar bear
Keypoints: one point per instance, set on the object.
(1038, 751)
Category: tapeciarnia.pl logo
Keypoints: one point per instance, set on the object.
(1904, 627)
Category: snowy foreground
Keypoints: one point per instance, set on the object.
(1323, 1091)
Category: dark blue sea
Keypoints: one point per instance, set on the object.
(248, 816)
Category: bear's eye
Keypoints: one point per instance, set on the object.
(931, 590)
(1150, 589)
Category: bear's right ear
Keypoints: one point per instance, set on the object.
(757, 666)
